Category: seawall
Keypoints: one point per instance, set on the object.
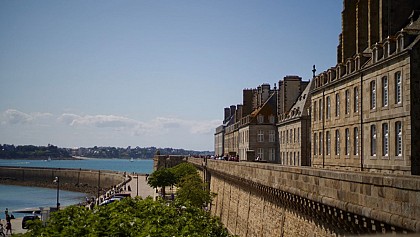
(79, 180)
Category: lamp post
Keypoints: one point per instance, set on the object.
(57, 180)
(137, 184)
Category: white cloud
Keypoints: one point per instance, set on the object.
(13, 116)
(113, 129)
(100, 121)
(158, 126)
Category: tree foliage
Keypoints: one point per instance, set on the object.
(161, 178)
(131, 217)
(183, 170)
(191, 189)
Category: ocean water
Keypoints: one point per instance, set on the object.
(137, 166)
(20, 197)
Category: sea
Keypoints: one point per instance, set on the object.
(21, 197)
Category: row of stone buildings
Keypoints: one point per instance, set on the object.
(362, 114)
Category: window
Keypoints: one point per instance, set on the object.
(320, 143)
(337, 142)
(384, 91)
(398, 88)
(328, 137)
(298, 135)
(372, 94)
(271, 136)
(356, 100)
(328, 107)
(291, 136)
(260, 136)
(398, 138)
(315, 143)
(294, 135)
(260, 118)
(347, 131)
(356, 141)
(337, 105)
(271, 154)
(272, 119)
(385, 139)
(298, 158)
(315, 105)
(260, 153)
(287, 136)
(347, 102)
(373, 140)
(320, 109)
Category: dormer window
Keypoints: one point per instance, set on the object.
(386, 49)
(272, 119)
(260, 118)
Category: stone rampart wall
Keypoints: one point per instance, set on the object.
(267, 198)
(71, 179)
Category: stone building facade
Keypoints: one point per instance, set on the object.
(255, 130)
(294, 127)
(365, 110)
(252, 127)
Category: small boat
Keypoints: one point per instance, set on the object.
(131, 160)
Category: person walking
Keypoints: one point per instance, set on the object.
(8, 227)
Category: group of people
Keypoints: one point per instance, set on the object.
(8, 222)
(225, 157)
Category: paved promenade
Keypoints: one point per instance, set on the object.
(144, 190)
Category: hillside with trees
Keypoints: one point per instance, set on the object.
(44, 152)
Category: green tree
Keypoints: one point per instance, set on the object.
(131, 217)
(161, 178)
(183, 170)
(191, 189)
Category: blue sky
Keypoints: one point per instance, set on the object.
(148, 73)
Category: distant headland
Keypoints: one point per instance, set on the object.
(53, 152)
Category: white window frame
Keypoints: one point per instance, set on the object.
(398, 139)
(356, 140)
(356, 99)
(328, 112)
(385, 94)
(328, 137)
(385, 139)
(260, 136)
(347, 110)
(337, 142)
(373, 139)
(347, 134)
(373, 95)
(337, 105)
(398, 88)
